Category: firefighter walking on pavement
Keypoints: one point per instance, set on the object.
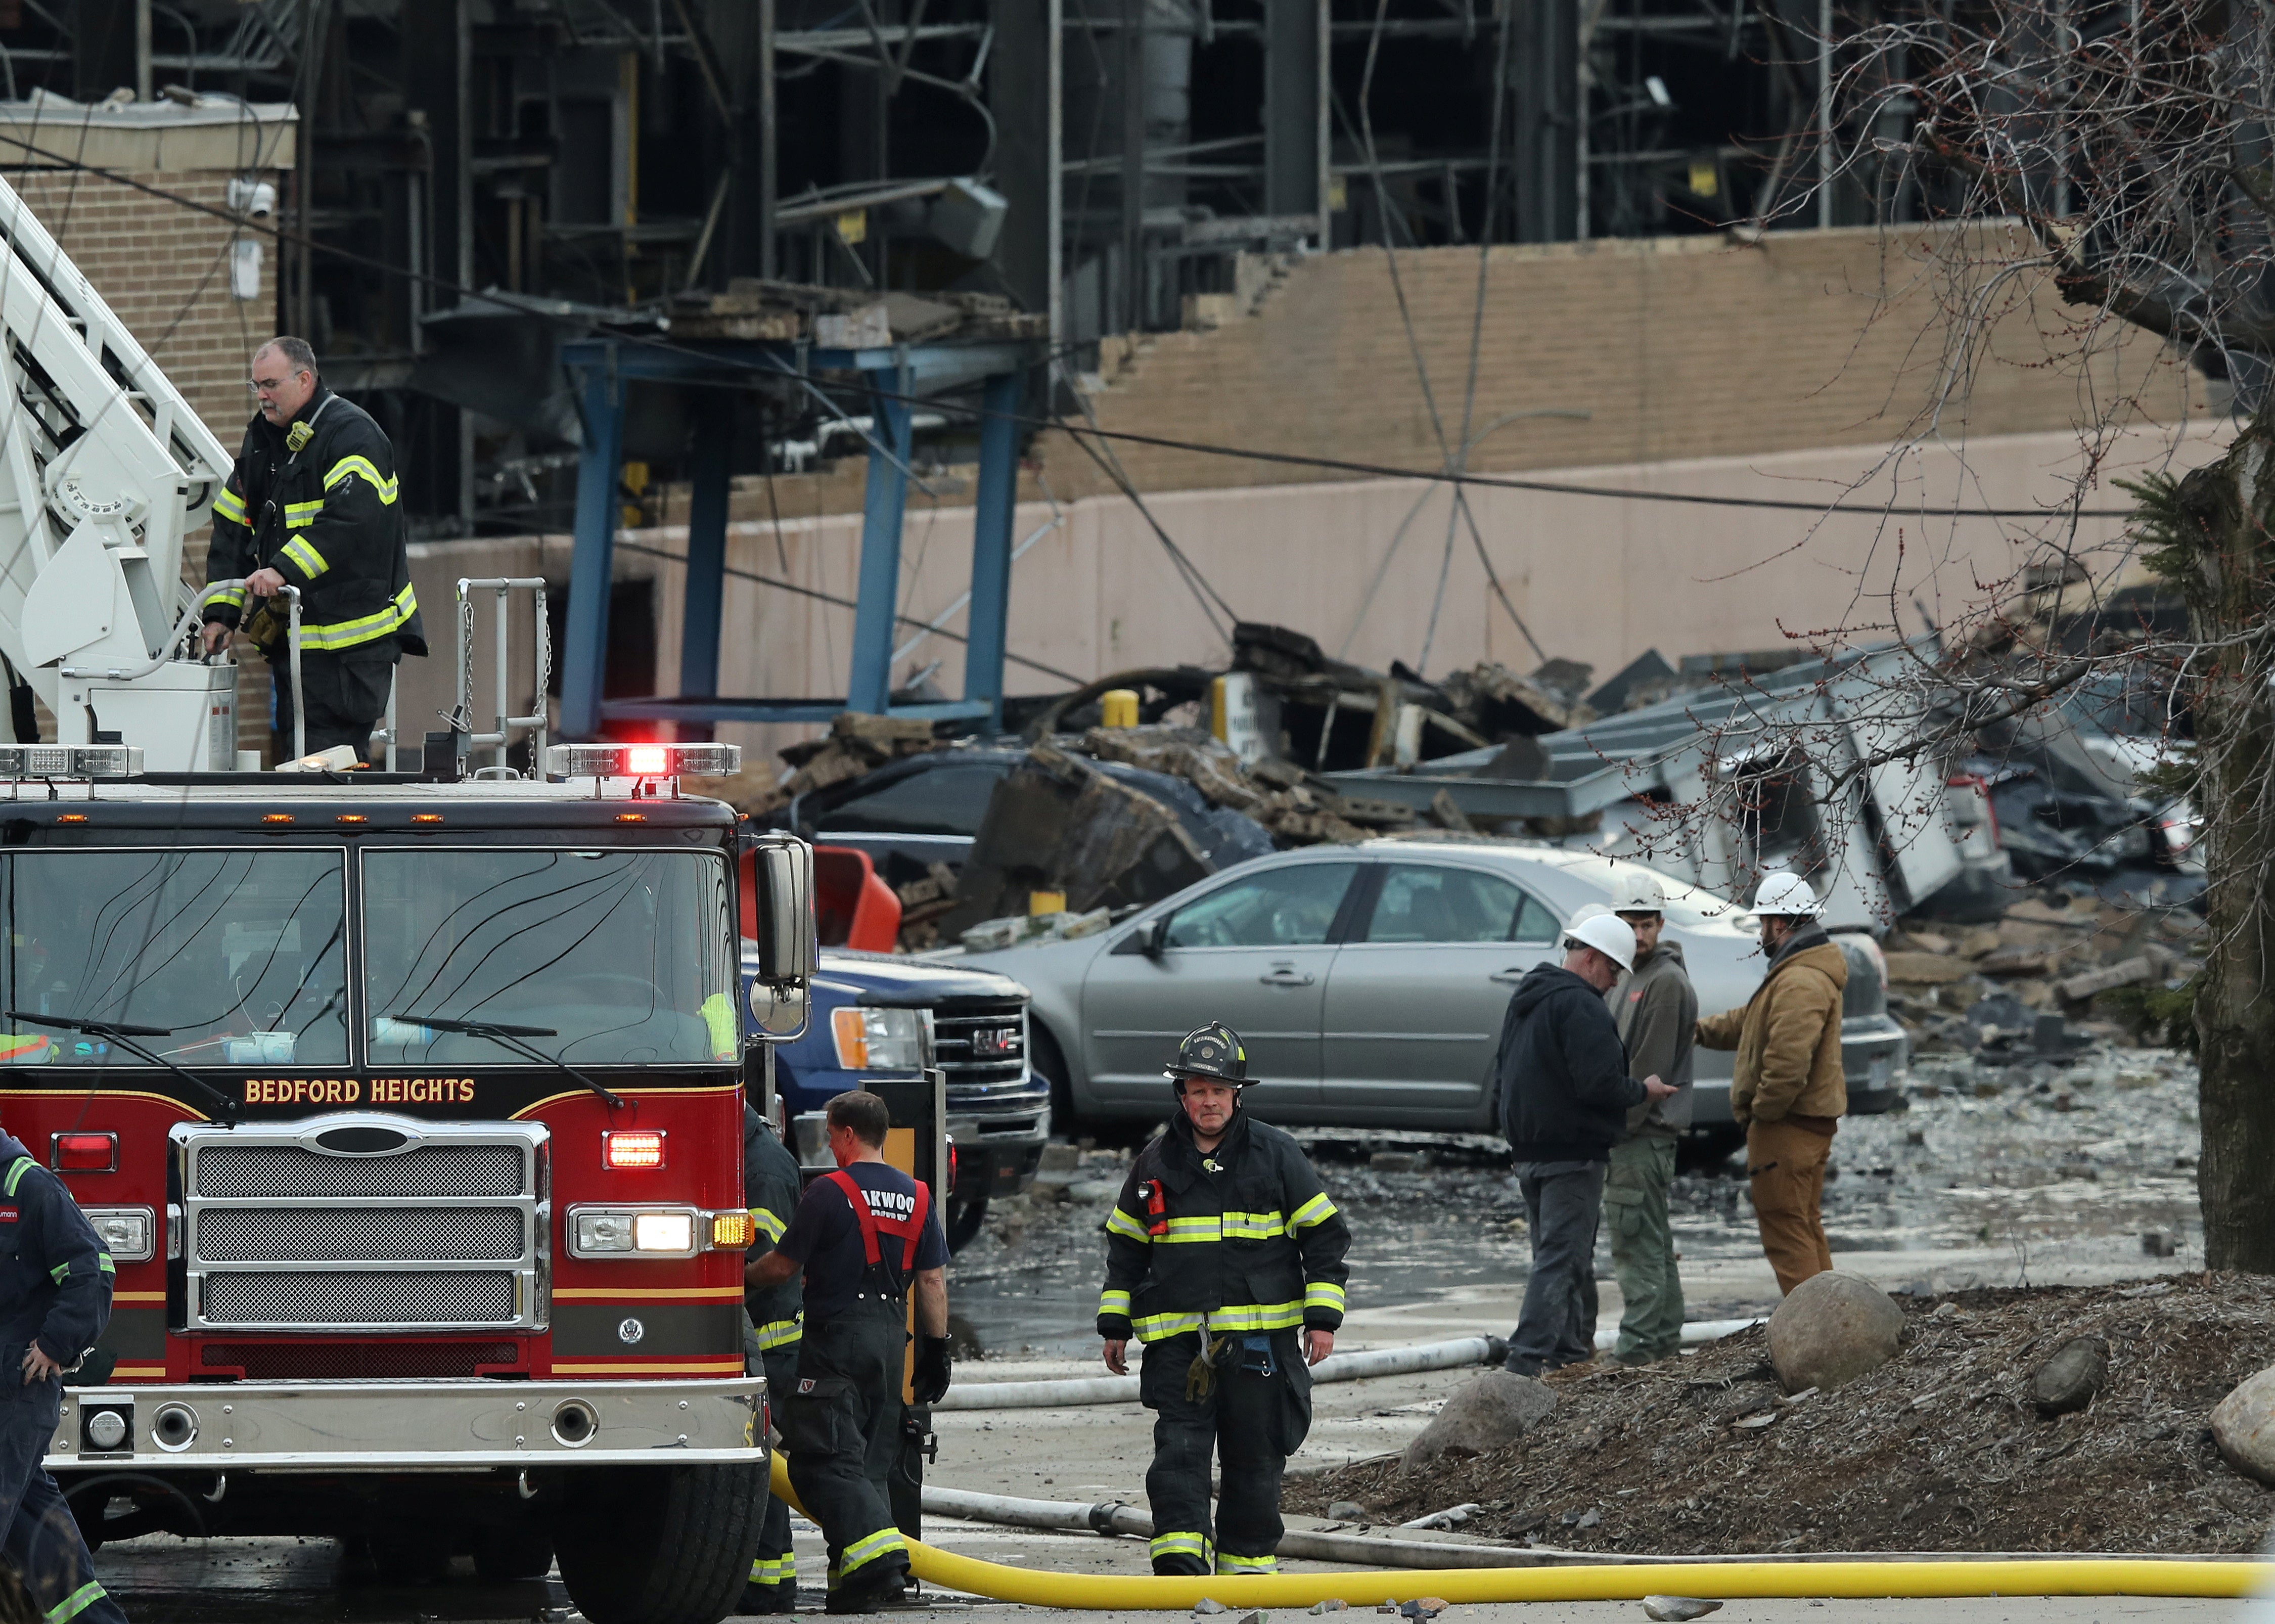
(54, 1299)
(770, 1337)
(1224, 1256)
(866, 1238)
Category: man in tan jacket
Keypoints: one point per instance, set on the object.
(1787, 1090)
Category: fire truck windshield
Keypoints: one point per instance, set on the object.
(235, 956)
(618, 957)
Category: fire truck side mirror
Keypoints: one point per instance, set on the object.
(778, 915)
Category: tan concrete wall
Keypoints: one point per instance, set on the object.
(1596, 579)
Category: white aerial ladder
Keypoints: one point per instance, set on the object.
(104, 469)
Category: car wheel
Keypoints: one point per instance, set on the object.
(965, 1218)
(1704, 1149)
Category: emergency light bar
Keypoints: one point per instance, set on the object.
(70, 760)
(642, 760)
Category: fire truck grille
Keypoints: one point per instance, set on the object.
(378, 1299)
(359, 1235)
(242, 1171)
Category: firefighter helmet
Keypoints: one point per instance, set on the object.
(1214, 1054)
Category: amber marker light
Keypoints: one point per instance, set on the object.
(70, 817)
(276, 817)
(353, 817)
(631, 817)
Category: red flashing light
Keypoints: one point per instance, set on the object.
(625, 1153)
(647, 761)
(84, 1152)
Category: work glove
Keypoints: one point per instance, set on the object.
(933, 1368)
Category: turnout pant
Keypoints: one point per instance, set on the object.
(1785, 1172)
(1642, 1250)
(775, 1563)
(1557, 1324)
(347, 695)
(1254, 1412)
(840, 1427)
(43, 1541)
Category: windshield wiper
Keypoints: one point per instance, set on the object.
(511, 1037)
(124, 1036)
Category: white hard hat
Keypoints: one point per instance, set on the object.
(1785, 894)
(1637, 890)
(1589, 910)
(1607, 933)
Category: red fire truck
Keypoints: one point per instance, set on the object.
(411, 1114)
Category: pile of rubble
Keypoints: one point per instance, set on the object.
(1992, 989)
(855, 744)
(1955, 1443)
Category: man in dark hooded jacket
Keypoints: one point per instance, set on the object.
(1565, 1094)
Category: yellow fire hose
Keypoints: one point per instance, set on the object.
(1612, 1581)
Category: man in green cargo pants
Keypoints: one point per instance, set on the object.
(1655, 1010)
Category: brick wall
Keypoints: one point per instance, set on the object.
(164, 270)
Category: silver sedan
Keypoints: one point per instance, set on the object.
(1369, 982)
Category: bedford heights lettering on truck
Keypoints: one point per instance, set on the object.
(356, 1090)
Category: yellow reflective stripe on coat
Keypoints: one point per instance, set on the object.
(1113, 1303)
(78, 1602)
(861, 1553)
(349, 633)
(773, 1569)
(1325, 1293)
(1119, 1222)
(301, 515)
(1228, 1226)
(231, 506)
(1317, 1210)
(305, 557)
(233, 596)
(1237, 1317)
(17, 1169)
(781, 1333)
(767, 1224)
(364, 465)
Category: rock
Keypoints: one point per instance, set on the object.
(1496, 1409)
(1346, 1511)
(1208, 1605)
(2157, 1243)
(2243, 1426)
(1664, 1607)
(2069, 1379)
(1334, 1604)
(1833, 1328)
(1396, 1161)
(1059, 1158)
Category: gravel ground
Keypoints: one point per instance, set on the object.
(1941, 1449)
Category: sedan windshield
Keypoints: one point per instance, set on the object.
(590, 957)
(235, 956)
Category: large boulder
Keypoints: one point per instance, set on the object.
(2243, 1426)
(1497, 1409)
(1831, 1329)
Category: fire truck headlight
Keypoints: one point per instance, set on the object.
(126, 1232)
(603, 1233)
(663, 1232)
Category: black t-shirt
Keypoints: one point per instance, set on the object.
(824, 1236)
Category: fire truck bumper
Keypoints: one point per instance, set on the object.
(411, 1426)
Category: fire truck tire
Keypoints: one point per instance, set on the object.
(503, 1555)
(661, 1545)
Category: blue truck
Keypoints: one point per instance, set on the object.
(878, 1016)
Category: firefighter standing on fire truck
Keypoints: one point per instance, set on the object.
(770, 1337)
(1222, 1245)
(866, 1237)
(54, 1300)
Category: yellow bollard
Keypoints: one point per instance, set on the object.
(1040, 903)
(1117, 707)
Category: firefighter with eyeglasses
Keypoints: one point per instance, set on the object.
(1224, 1256)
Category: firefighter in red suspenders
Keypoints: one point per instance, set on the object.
(867, 1236)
